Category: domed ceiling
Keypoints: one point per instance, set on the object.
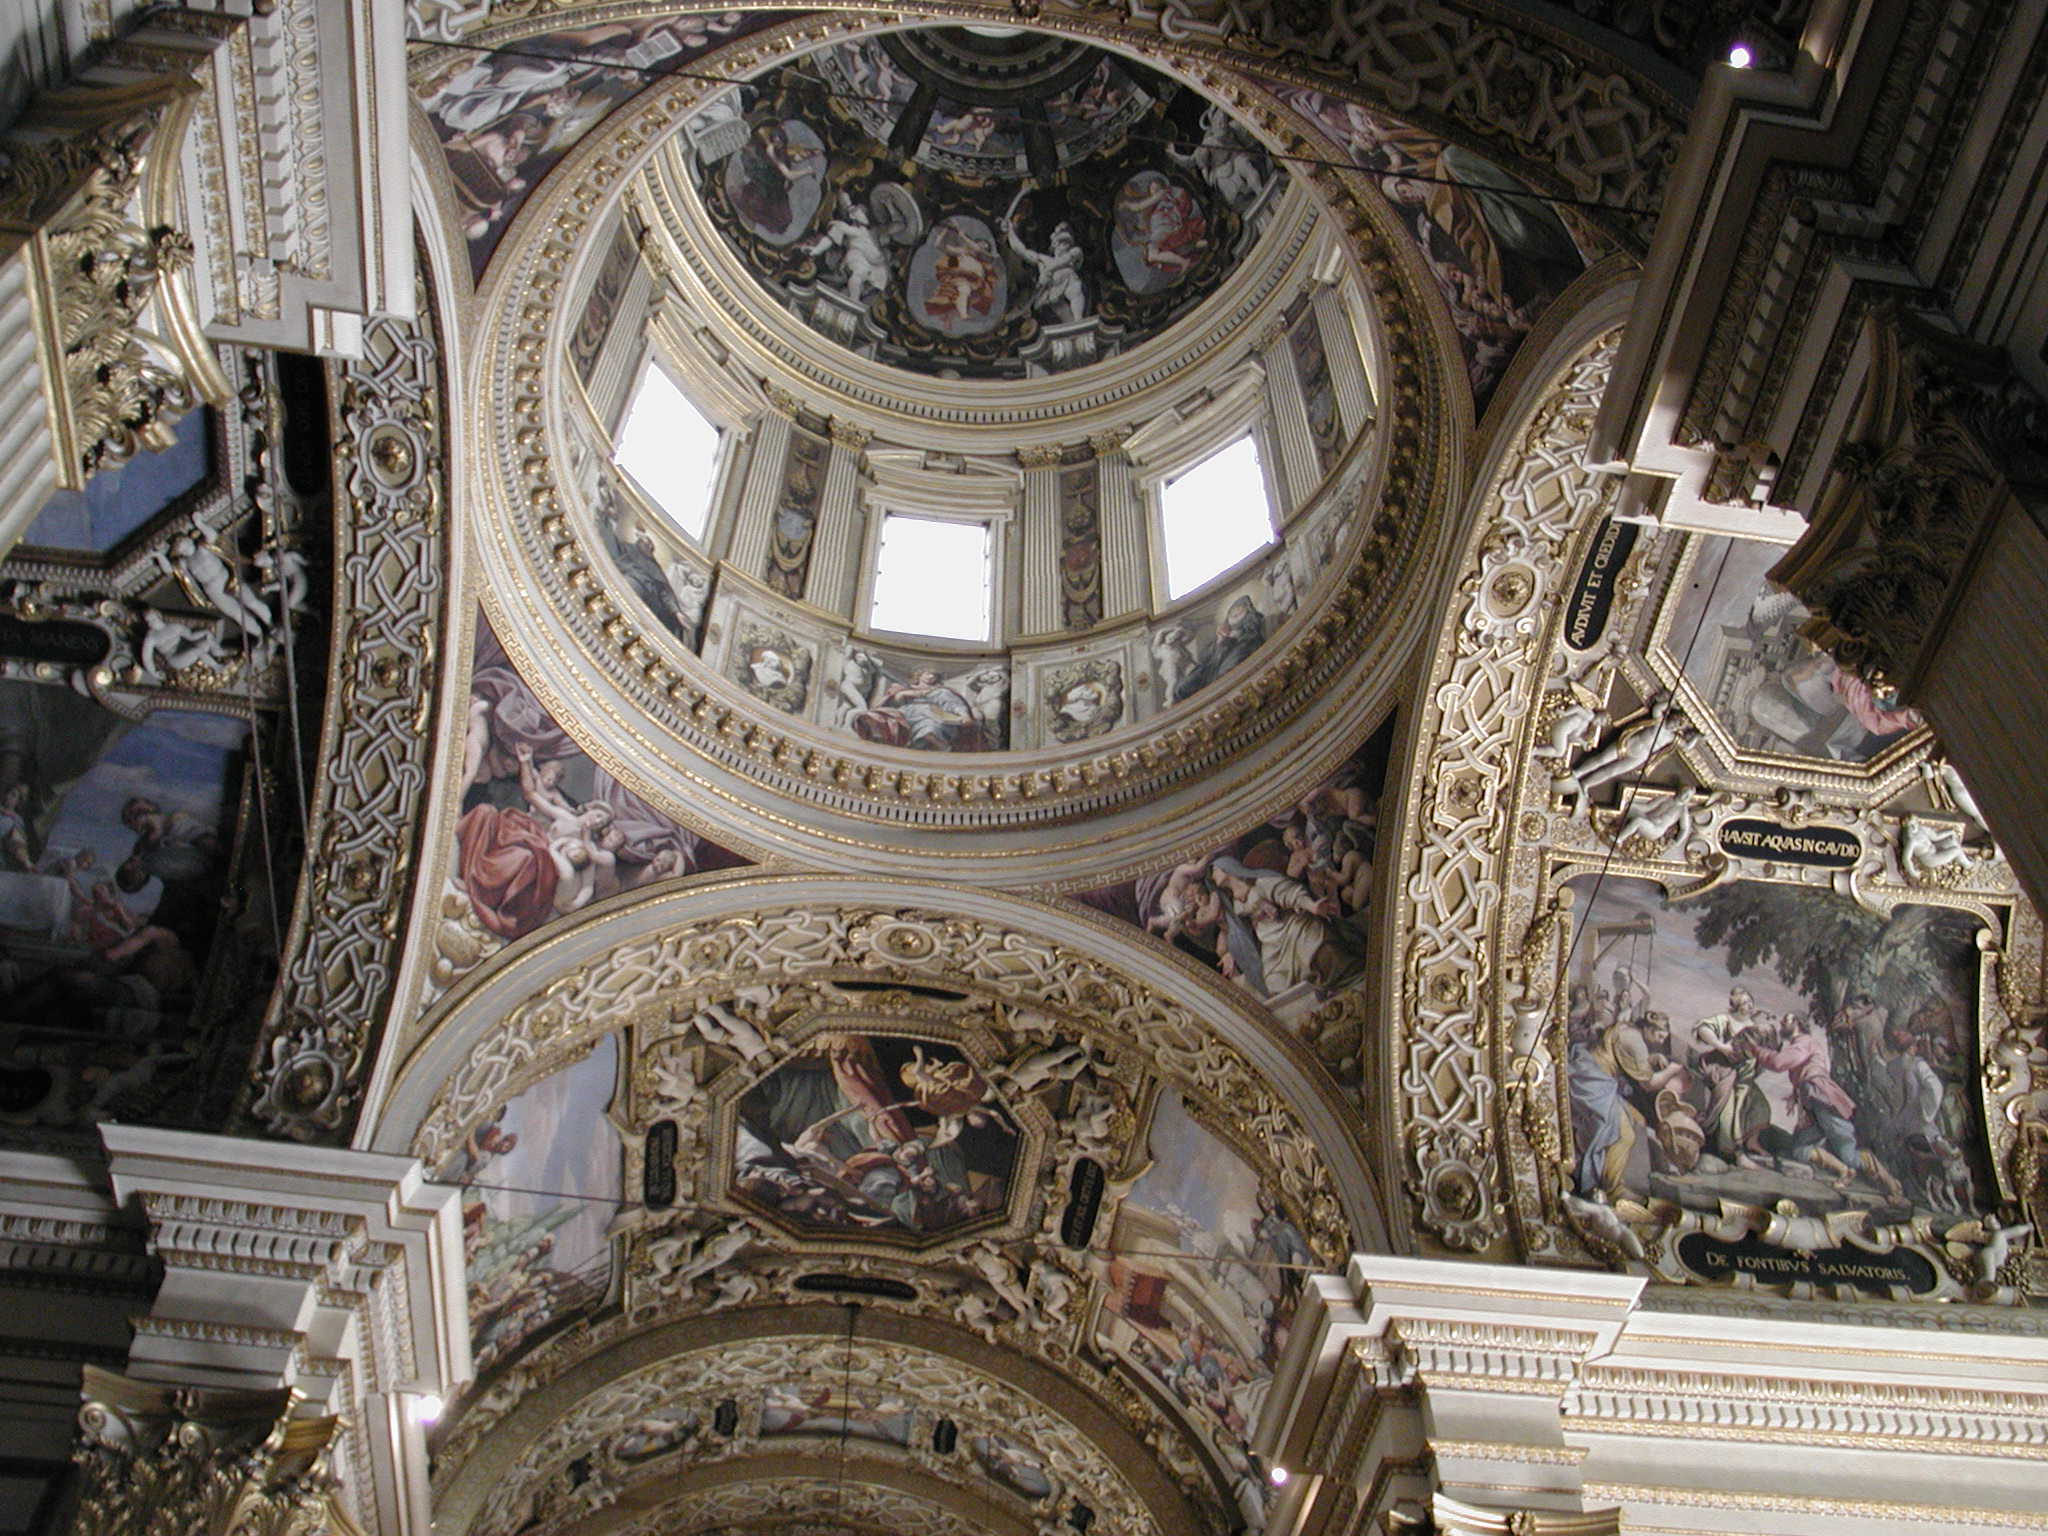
(980, 203)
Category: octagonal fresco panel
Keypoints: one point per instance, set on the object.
(875, 1133)
(1739, 641)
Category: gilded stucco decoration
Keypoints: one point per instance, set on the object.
(1054, 1161)
(1712, 969)
(149, 1458)
(654, 1425)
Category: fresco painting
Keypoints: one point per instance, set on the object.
(506, 119)
(796, 511)
(1771, 1042)
(776, 180)
(601, 308)
(1318, 389)
(1772, 688)
(1010, 1464)
(124, 496)
(876, 1134)
(1159, 232)
(544, 831)
(673, 584)
(822, 1408)
(906, 701)
(1200, 1280)
(1284, 908)
(542, 1181)
(115, 844)
(1496, 250)
(979, 240)
(1080, 546)
(958, 285)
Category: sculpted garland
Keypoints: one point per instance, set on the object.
(1684, 793)
(710, 718)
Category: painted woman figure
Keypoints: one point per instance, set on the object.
(1161, 222)
(964, 281)
(767, 168)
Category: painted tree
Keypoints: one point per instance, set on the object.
(1828, 948)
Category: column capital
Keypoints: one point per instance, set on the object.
(1042, 456)
(335, 1274)
(151, 1458)
(846, 434)
(1106, 443)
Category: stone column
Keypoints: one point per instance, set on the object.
(833, 578)
(1347, 362)
(335, 1276)
(1040, 557)
(1126, 551)
(1300, 475)
(752, 523)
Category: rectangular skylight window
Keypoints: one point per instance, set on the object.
(932, 578)
(670, 450)
(1214, 515)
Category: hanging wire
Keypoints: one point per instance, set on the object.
(1251, 146)
(845, 1411)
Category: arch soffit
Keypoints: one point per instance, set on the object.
(505, 1029)
(936, 1369)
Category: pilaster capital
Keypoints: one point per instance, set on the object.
(847, 435)
(335, 1274)
(1043, 456)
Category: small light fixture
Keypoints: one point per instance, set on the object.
(1740, 56)
(1279, 1476)
(427, 1407)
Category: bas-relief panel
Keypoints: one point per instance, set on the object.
(1495, 248)
(542, 1182)
(1200, 1278)
(1281, 909)
(544, 831)
(1770, 1042)
(116, 838)
(907, 700)
(505, 119)
(878, 1134)
(1737, 638)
